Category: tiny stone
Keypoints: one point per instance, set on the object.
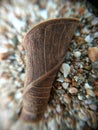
(88, 102)
(68, 56)
(42, 3)
(85, 30)
(83, 116)
(18, 95)
(87, 86)
(96, 93)
(81, 10)
(43, 13)
(96, 35)
(88, 38)
(3, 56)
(67, 80)
(65, 85)
(93, 116)
(95, 21)
(93, 107)
(67, 99)
(74, 84)
(9, 46)
(59, 74)
(80, 97)
(95, 67)
(20, 47)
(22, 76)
(3, 53)
(17, 84)
(61, 79)
(65, 69)
(73, 90)
(93, 54)
(52, 125)
(90, 92)
(77, 54)
(58, 108)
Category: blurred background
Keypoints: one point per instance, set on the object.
(73, 104)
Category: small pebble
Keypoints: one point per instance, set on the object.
(85, 31)
(58, 108)
(22, 76)
(96, 93)
(83, 116)
(52, 125)
(89, 39)
(94, 118)
(81, 97)
(96, 83)
(65, 85)
(96, 35)
(88, 102)
(65, 69)
(67, 80)
(77, 54)
(87, 86)
(81, 10)
(18, 95)
(73, 90)
(95, 67)
(3, 53)
(43, 13)
(20, 47)
(93, 107)
(67, 99)
(93, 54)
(95, 21)
(90, 92)
(9, 46)
(61, 79)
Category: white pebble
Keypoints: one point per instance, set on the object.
(58, 108)
(18, 24)
(76, 78)
(90, 92)
(3, 50)
(65, 69)
(52, 125)
(18, 95)
(80, 97)
(17, 84)
(73, 90)
(61, 79)
(11, 105)
(65, 85)
(77, 54)
(89, 38)
(43, 13)
(85, 30)
(93, 107)
(22, 77)
(59, 74)
(2, 81)
(96, 35)
(95, 21)
(87, 86)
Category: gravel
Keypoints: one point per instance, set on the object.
(73, 104)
